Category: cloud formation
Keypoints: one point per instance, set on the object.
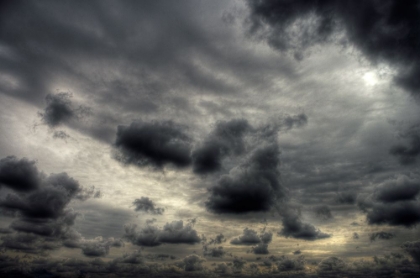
(153, 144)
(382, 31)
(294, 227)
(226, 139)
(144, 204)
(254, 186)
(173, 233)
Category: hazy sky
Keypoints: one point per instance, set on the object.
(210, 137)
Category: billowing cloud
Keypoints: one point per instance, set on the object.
(173, 233)
(249, 237)
(153, 144)
(400, 189)
(395, 214)
(19, 174)
(294, 227)
(382, 31)
(226, 139)
(144, 204)
(193, 263)
(40, 204)
(255, 186)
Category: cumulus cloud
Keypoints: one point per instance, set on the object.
(408, 154)
(40, 204)
(255, 186)
(173, 233)
(399, 189)
(153, 144)
(144, 204)
(332, 265)
(61, 110)
(216, 252)
(285, 263)
(19, 174)
(193, 263)
(260, 249)
(249, 237)
(226, 139)
(294, 227)
(382, 31)
(393, 202)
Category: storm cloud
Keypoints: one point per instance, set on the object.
(382, 31)
(226, 139)
(153, 144)
(255, 186)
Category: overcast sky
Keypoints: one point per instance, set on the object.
(210, 137)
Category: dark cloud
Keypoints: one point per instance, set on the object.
(382, 31)
(332, 265)
(260, 249)
(193, 263)
(413, 248)
(400, 189)
(155, 144)
(255, 186)
(295, 121)
(294, 227)
(226, 139)
(381, 235)
(249, 237)
(146, 205)
(39, 203)
(323, 212)
(19, 175)
(284, 263)
(395, 214)
(176, 232)
(355, 235)
(297, 252)
(172, 233)
(215, 252)
(61, 110)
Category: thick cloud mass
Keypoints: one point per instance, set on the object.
(146, 205)
(154, 143)
(395, 214)
(19, 175)
(249, 237)
(40, 204)
(381, 235)
(398, 190)
(294, 227)
(384, 31)
(253, 187)
(226, 139)
(173, 233)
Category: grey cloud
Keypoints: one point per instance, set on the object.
(226, 139)
(294, 227)
(355, 235)
(215, 252)
(295, 121)
(43, 220)
(193, 263)
(382, 31)
(397, 190)
(332, 265)
(289, 264)
(146, 205)
(249, 237)
(19, 175)
(173, 233)
(348, 197)
(395, 214)
(260, 249)
(381, 235)
(253, 187)
(408, 154)
(413, 248)
(153, 144)
(61, 110)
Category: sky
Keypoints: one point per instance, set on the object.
(210, 138)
